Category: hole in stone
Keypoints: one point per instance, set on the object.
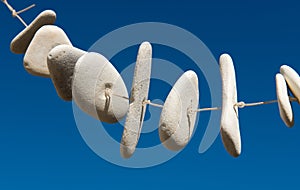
(108, 85)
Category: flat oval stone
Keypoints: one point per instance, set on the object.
(98, 89)
(284, 104)
(230, 131)
(44, 40)
(137, 108)
(61, 62)
(293, 80)
(178, 115)
(21, 42)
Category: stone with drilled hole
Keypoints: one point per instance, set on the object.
(21, 42)
(292, 79)
(61, 62)
(230, 131)
(178, 115)
(139, 94)
(284, 104)
(98, 89)
(45, 39)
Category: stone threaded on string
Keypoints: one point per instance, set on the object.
(76, 76)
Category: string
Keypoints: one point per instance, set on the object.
(153, 104)
(208, 109)
(239, 104)
(124, 97)
(16, 14)
(243, 104)
(26, 9)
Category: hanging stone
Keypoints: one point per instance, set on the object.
(292, 79)
(230, 131)
(61, 62)
(284, 104)
(21, 42)
(139, 94)
(45, 39)
(98, 89)
(179, 113)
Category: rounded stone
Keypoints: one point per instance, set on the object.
(179, 112)
(292, 79)
(61, 62)
(98, 89)
(230, 131)
(21, 42)
(44, 40)
(284, 104)
(139, 94)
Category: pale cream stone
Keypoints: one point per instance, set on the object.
(61, 62)
(179, 113)
(230, 131)
(139, 94)
(98, 89)
(45, 39)
(21, 42)
(292, 79)
(284, 104)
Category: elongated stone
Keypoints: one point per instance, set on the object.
(178, 116)
(45, 39)
(98, 89)
(230, 131)
(137, 108)
(21, 42)
(61, 62)
(284, 104)
(293, 80)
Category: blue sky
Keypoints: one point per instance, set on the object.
(41, 147)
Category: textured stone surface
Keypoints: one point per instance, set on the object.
(21, 42)
(230, 131)
(139, 93)
(293, 80)
(178, 115)
(98, 89)
(61, 62)
(284, 104)
(45, 39)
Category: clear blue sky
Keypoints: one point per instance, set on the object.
(41, 147)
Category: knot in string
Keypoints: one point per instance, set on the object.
(240, 104)
(15, 13)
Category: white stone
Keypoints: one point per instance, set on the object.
(230, 131)
(44, 40)
(137, 108)
(284, 104)
(98, 89)
(61, 62)
(21, 42)
(293, 80)
(178, 115)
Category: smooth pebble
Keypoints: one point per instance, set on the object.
(45, 39)
(293, 80)
(21, 42)
(284, 104)
(98, 89)
(230, 131)
(178, 115)
(61, 62)
(137, 108)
